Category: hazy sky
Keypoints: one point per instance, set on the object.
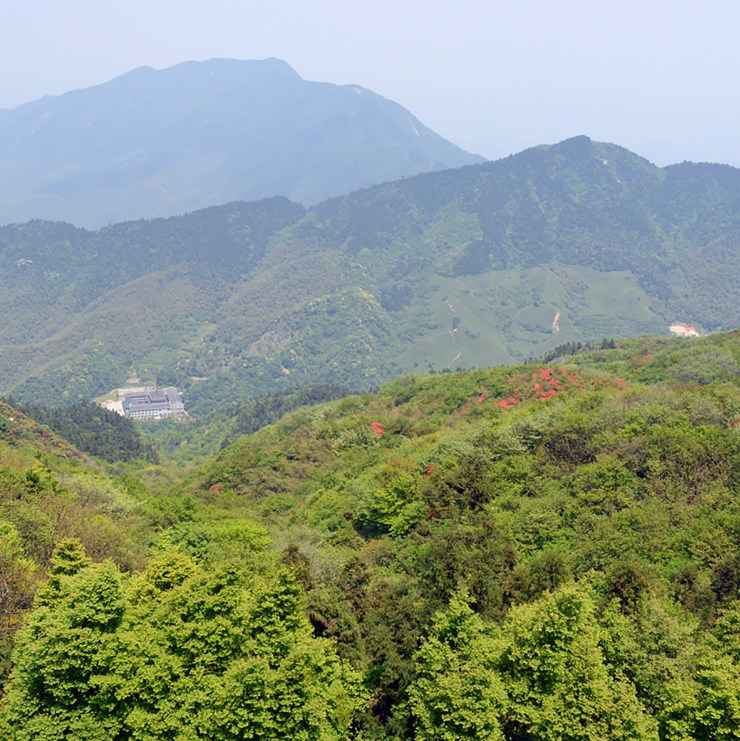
(658, 77)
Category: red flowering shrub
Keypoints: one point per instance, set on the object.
(377, 428)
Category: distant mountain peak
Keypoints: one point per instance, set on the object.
(137, 146)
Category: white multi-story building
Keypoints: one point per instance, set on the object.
(153, 404)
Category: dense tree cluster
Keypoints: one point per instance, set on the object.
(48, 494)
(266, 410)
(95, 430)
(175, 653)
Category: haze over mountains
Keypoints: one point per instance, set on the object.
(548, 549)
(162, 142)
(475, 266)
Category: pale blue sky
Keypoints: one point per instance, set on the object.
(658, 77)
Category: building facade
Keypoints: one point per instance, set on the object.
(153, 404)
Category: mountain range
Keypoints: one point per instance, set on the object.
(162, 142)
(484, 264)
(543, 549)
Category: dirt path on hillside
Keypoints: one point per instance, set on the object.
(454, 360)
(455, 321)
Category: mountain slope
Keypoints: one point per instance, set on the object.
(499, 488)
(162, 142)
(481, 265)
(537, 551)
(50, 492)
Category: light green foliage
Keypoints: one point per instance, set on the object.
(69, 558)
(191, 654)
(704, 365)
(556, 677)
(163, 573)
(688, 682)
(717, 714)
(53, 508)
(621, 490)
(391, 505)
(231, 538)
(58, 654)
(14, 565)
(728, 631)
(537, 552)
(238, 538)
(541, 675)
(457, 694)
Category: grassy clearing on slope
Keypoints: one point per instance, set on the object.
(506, 315)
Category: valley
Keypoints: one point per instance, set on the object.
(383, 386)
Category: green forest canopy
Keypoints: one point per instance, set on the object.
(543, 551)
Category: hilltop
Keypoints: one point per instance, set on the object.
(162, 142)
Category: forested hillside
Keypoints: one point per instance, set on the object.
(486, 264)
(88, 305)
(92, 429)
(49, 492)
(539, 551)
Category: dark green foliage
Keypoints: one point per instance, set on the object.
(396, 296)
(266, 410)
(558, 682)
(223, 242)
(95, 430)
(474, 260)
(474, 555)
(184, 266)
(457, 693)
(726, 579)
